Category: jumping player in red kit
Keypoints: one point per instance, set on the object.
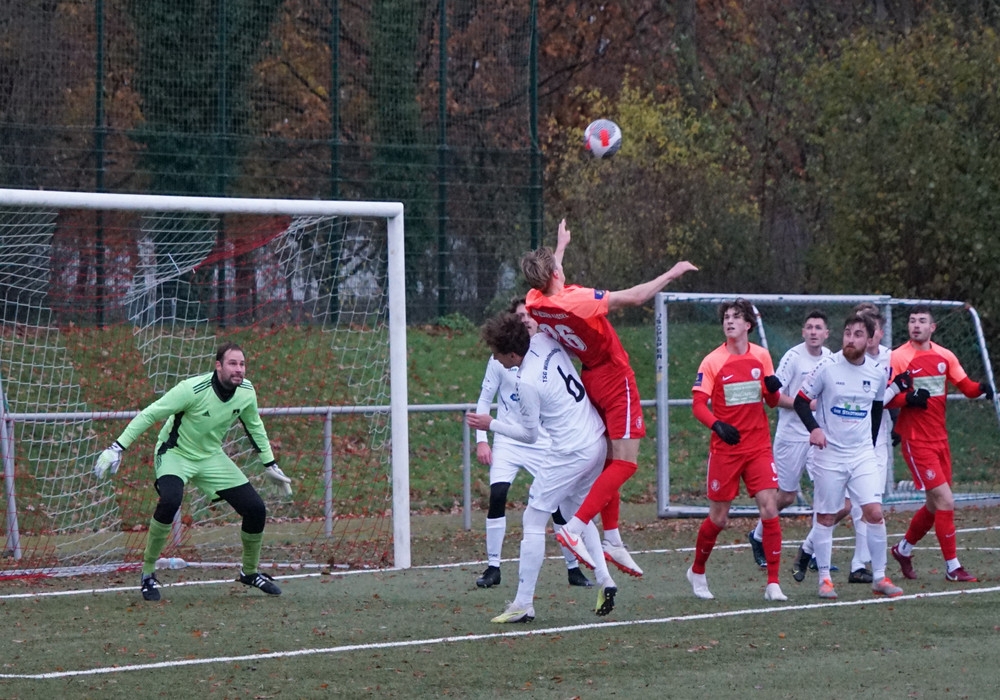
(577, 317)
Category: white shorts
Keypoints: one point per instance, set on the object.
(508, 459)
(836, 477)
(566, 478)
(791, 458)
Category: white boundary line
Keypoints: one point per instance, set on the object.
(479, 637)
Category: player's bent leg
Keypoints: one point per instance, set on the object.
(248, 504)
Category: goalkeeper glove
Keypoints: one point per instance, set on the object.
(729, 434)
(918, 398)
(772, 383)
(277, 477)
(987, 390)
(903, 381)
(109, 460)
(896, 438)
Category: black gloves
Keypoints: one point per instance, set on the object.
(729, 434)
(987, 390)
(918, 398)
(772, 383)
(903, 381)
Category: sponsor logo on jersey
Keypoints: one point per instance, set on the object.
(544, 314)
(742, 393)
(849, 412)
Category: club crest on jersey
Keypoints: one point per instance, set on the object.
(941, 367)
(755, 373)
(866, 386)
(714, 485)
(930, 474)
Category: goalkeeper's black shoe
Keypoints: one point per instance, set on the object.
(150, 587)
(261, 581)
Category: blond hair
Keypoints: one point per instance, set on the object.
(538, 267)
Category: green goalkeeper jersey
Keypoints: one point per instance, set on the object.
(198, 418)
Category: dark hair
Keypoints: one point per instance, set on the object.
(922, 309)
(816, 313)
(864, 319)
(224, 348)
(514, 303)
(506, 333)
(745, 309)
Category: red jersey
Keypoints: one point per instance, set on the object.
(931, 370)
(734, 384)
(577, 317)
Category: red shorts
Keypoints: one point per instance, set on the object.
(613, 392)
(726, 468)
(929, 463)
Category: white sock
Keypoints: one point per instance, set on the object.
(953, 564)
(822, 537)
(571, 562)
(614, 538)
(592, 540)
(861, 553)
(877, 547)
(758, 531)
(496, 528)
(575, 525)
(532, 554)
(905, 548)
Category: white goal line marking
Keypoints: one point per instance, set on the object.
(480, 637)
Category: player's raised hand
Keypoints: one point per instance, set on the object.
(108, 461)
(728, 433)
(277, 477)
(562, 236)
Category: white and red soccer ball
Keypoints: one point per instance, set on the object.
(602, 138)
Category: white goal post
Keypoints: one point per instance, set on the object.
(779, 319)
(31, 223)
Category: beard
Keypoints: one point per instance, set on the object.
(852, 354)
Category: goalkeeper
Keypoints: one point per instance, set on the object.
(199, 412)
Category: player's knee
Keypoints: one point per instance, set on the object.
(171, 491)
(247, 503)
(498, 499)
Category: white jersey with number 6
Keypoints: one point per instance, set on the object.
(550, 395)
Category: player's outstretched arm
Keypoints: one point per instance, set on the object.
(562, 241)
(641, 293)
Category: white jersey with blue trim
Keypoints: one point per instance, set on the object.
(844, 394)
(795, 366)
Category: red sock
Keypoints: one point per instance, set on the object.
(944, 528)
(772, 547)
(610, 512)
(604, 489)
(920, 525)
(708, 533)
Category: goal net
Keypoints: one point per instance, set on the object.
(108, 301)
(688, 328)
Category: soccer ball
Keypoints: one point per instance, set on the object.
(602, 138)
